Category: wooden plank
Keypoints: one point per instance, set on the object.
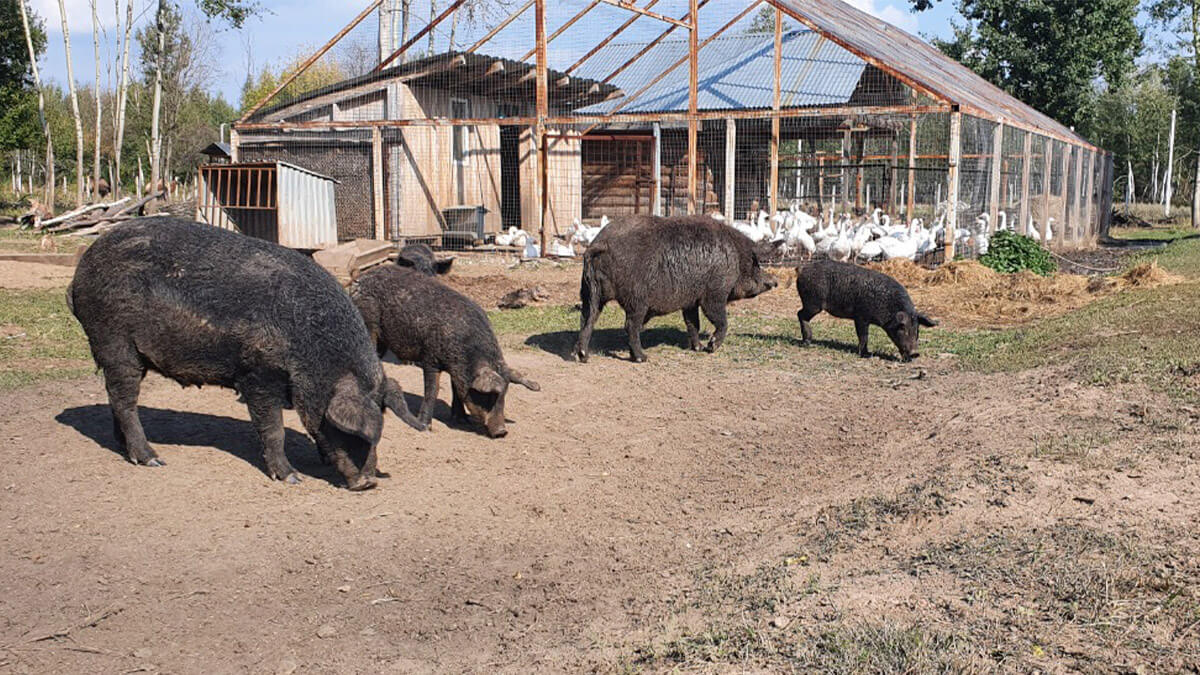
(657, 169)
(420, 34)
(730, 169)
(561, 29)
(1047, 158)
(773, 195)
(377, 181)
(502, 25)
(611, 36)
(1026, 186)
(952, 198)
(693, 102)
(997, 172)
(643, 51)
(653, 15)
(543, 111)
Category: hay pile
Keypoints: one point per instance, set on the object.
(976, 295)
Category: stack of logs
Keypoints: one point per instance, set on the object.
(86, 220)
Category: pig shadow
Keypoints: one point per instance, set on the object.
(611, 342)
(833, 345)
(443, 414)
(175, 427)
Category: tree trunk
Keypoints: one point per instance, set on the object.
(99, 106)
(432, 16)
(453, 28)
(122, 96)
(62, 11)
(37, 82)
(1169, 180)
(156, 115)
(405, 14)
(1196, 195)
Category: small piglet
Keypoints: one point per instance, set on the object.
(869, 297)
(430, 325)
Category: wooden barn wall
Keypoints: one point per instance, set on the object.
(564, 172)
(618, 178)
(675, 175)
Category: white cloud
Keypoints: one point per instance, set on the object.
(901, 17)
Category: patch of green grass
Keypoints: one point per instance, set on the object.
(39, 339)
(1165, 234)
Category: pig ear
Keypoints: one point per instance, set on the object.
(926, 321)
(351, 411)
(393, 399)
(517, 377)
(443, 266)
(404, 261)
(488, 380)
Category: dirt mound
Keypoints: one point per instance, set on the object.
(963, 273)
(1147, 275)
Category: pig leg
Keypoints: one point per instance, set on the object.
(635, 319)
(714, 309)
(425, 416)
(805, 315)
(691, 318)
(457, 410)
(863, 329)
(124, 383)
(587, 323)
(267, 416)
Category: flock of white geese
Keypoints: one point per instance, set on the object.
(843, 238)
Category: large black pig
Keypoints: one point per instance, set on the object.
(654, 266)
(869, 297)
(428, 324)
(203, 305)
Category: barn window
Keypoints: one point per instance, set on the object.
(460, 110)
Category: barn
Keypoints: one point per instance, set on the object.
(554, 113)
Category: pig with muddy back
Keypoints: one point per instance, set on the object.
(654, 266)
(868, 297)
(202, 305)
(410, 313)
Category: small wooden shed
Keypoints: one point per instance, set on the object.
(275, 201)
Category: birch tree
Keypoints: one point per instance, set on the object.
(37, 82)
(122, 96)
(62, 11)
(1183, 18)
(99, 104)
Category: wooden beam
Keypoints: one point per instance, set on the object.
(997, 172)
(643, 51)
(561, 29)
(543, 111)
(611, 36)
(1047, 158)
(952, 175)
(420, 34)
(645, 12)
(313, 59)
(773, 195)
(503, 24)
(693, 103)
(691, 114)
(1022, 226)
(730, 169)
(377, 181)
(657, 201)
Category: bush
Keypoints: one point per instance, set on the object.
(1009, 252)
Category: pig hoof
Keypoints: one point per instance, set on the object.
(382, 474)
(292, 479)
(154, 462)
(361, 483)
(582, 357)
(711, 348)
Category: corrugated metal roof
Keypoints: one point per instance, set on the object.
(736, 72)
(918, 62)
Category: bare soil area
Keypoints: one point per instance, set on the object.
(711, 513)
(25, 276)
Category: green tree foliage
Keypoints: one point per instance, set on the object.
(321, 74)
(1132, 121)
(764, 22)
(1048, 53)
(19, 126)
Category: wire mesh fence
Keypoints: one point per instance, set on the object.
(526, 125)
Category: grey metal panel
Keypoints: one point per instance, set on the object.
(735, 73)
(306, 209)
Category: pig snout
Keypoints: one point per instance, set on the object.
(770, 282)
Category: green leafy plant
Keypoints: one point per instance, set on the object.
(1009, 252)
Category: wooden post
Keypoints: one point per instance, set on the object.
(845, 191)
(657, 200)
(912, 169)
(693, 103)
(1169, 182)
(730, 168)
(821, 182)
(893, 185)
(377, 181)
(235, 143)
(859, 145)
(1088, 204)
(952, 174)
(543, 110)
(1022, 225)
(1076, 207)
(997, 172)
(1047, 188)
(773, 195)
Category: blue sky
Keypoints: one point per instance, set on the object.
(293, 25)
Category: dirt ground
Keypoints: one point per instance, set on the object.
(26, 276)
(689, 512)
